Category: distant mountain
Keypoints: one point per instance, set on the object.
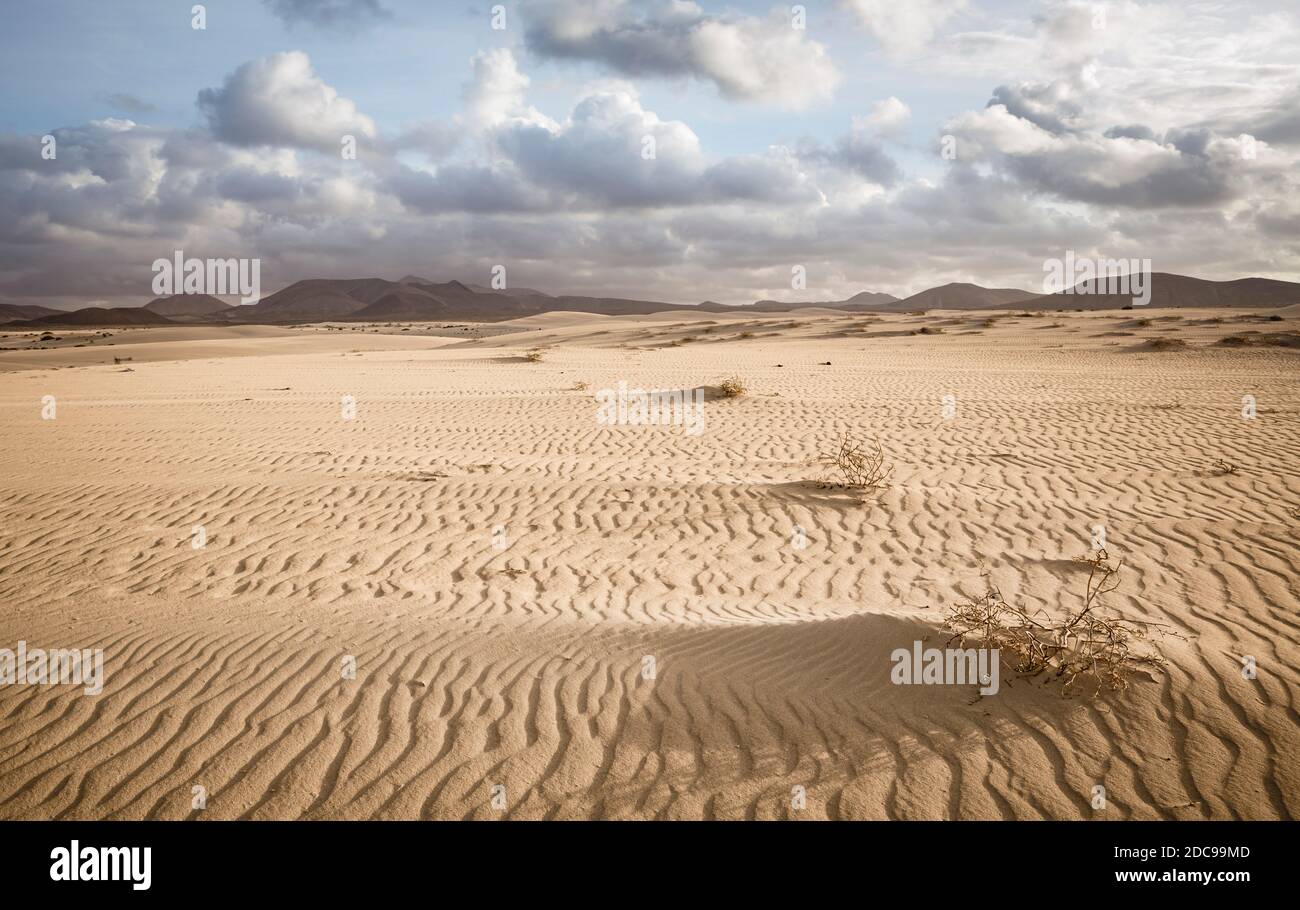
(962, 296)
(97, 316)
(15, 312)
(187, 305)
(1177, 291)
(416, 299)
(314, 300)
(870, 298)
(476, 288)
(863, 300)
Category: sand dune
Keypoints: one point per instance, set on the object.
(500, 566)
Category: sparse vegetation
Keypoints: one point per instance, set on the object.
(732, 387)
(1263, 339)
(855, 466)
(1222, 468)
(1090, 642)
(535, 355)
(580, 386)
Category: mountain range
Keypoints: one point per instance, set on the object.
(416, 299)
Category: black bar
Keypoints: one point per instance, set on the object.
(664, 862)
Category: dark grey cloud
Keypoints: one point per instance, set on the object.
(1041, 141)
(1042, 105)
(858, 154)
(1280, 126)
(1131, 131)
(746, 57)
(459, 188)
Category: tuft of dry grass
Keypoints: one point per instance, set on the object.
(732, 387)
(855, 466)
(581, 386)
(1091, 642)
(535, 355)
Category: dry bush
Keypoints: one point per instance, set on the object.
(732, 387)
(1090, 642)
(581, 386)
(855, 466)
(535, 355)
(1222, 468)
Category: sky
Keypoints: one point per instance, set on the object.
(665, 149)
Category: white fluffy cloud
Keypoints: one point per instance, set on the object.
(902, 27)
(279, 100)
(747, 58)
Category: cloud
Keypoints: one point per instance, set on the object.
(328, 13)
(886, 117)
(903, 27)
(279, 101)
(129, 103)
(746, 58)
(1144, 156)
(858, 153)
(1125, 167)
(609, 152)
(495, 91)
(1281, 124)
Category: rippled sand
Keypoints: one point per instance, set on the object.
(555, 618)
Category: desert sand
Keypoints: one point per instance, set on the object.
(503, 569)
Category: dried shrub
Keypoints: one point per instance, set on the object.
(1091, 642)
(581, 386)
(732, 387)
(1222, 468)
(855, 466)
(535, 355)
